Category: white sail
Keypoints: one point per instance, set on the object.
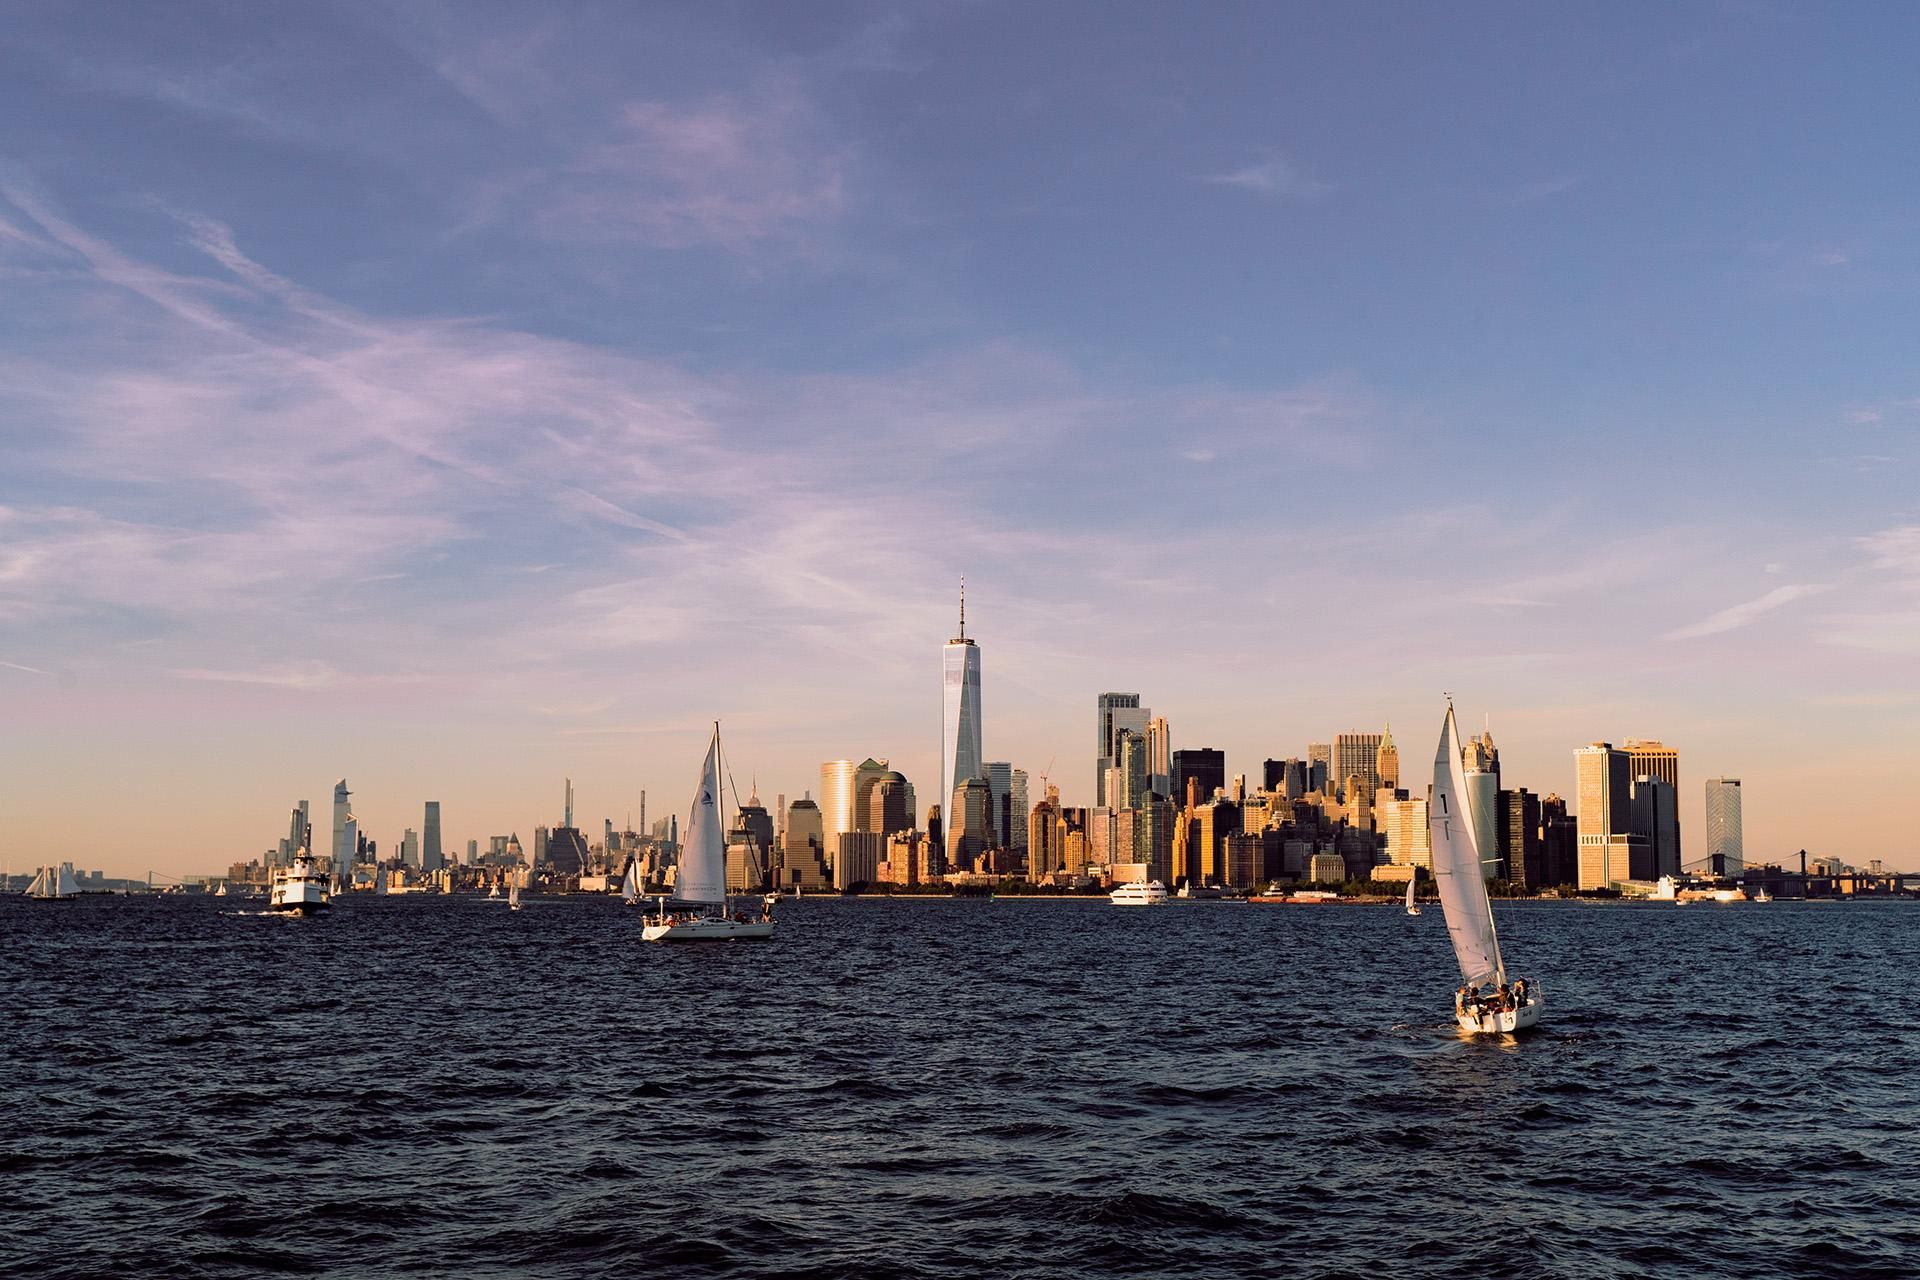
(513, 894)
(1409, 893)
(38, 888)
(66, 885)
(1457, 869)
(630, 887)
(703, 855)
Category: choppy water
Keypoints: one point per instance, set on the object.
(952, 1089)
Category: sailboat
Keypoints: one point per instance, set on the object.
(700, 887)
(221, 892)
(54, 884)
(513, 896)
(1411, 909)
(1486, 1002)
(630, 886)
(494, 892)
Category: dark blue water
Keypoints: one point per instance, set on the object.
(952, 1089)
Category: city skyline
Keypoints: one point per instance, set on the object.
(633, 375)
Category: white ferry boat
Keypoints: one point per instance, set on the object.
(299, 887)
(1151, 894)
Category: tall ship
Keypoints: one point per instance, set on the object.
(1486, 1000)
(299, 887)
(54, 884)
(698, 910)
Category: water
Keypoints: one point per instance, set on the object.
(952, 1089)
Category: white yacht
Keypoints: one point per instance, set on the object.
(1151, 894)
(299, 887)
(1487, 1002)
(700, 885)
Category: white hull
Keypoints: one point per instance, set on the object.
(1503, 1023)
(1153, 894)
(711, 929)
(301, 898)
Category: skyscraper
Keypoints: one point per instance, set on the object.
(1604, 793)
(1726, 849)
(865, 778)
(346, 832)
(960, 757)
(1114, 714)
(1206, 765)
(1653, 759)
(1656, 818)
(1319, 766)
(1357, 753)
(1481, 765)
(1132, 771)
(889, 805)
(1386, 762)
(1017, 838)
(430, 855)
(969, 832)
(836, 801)
(1159, 757)
(999, 776)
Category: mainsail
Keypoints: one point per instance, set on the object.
(703, 856)
(1457, 869)
(630, 887)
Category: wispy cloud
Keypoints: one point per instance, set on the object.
(1273, 176)
(1747, 612)
(21, 666)
(735, 171)
(1896, 550)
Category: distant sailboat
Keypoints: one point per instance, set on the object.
(54, 884)
(1485, 1002)
(513, 896)
(380, 882)
(221, 892)
(1411, 909)
(700, 886)
(630, 886)
(494, 892)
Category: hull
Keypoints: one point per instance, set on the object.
(1524, 1018)
(303, 908)
(709, 930)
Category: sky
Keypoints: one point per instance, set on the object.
(458, 398)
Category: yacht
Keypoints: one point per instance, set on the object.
(54, 884)
(1151, 894)
(299, 887)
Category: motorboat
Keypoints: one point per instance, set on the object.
(1150, 894)
(299, 887)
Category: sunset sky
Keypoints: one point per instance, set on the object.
(461, 397)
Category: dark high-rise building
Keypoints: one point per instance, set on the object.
(890, 804)
(1520, 838)
(1319, 766)
(1655, 807)
(1559, 844)
(566, 847)
(1273, 775)
(431, 859)
(1203, 764)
